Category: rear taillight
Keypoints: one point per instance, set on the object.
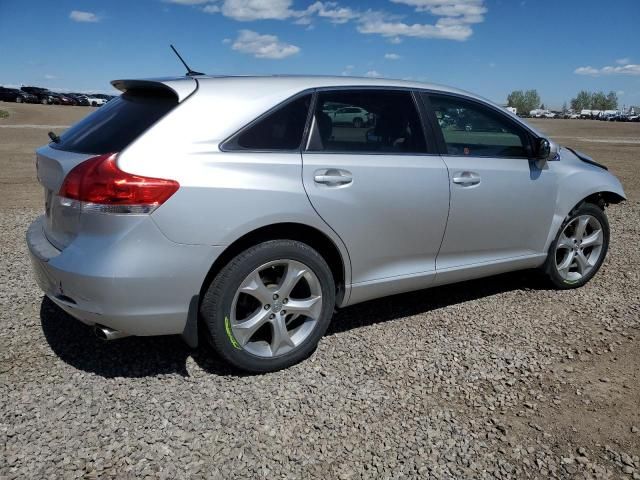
(98, 185)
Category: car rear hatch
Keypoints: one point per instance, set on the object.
(108, 130)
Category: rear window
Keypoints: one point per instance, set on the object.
(281, 129)
(116, 124)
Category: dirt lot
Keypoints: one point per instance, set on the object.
(496, 378)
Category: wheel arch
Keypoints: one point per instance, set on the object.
(311, 236)
(602, 197)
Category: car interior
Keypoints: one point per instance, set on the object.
(391, 124)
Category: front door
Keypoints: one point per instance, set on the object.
(502, 204)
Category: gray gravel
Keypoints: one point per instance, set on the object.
(497, 378)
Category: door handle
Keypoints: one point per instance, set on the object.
(466, 179)
(332, 177)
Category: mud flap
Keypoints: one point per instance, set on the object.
(190, 333)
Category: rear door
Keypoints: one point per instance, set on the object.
(377, 185)
(502, 203)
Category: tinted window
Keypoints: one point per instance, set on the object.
(279, 130)
(116, 124)
(474, 130)
(367, 121)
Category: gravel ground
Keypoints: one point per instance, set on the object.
(496, 378)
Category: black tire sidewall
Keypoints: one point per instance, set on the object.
(216, 304)
(550, 268)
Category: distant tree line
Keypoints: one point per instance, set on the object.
(594, 101)
(525, 101)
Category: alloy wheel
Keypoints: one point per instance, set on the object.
(579, 248)
(275, 308)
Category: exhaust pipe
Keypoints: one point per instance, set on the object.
(107, 334)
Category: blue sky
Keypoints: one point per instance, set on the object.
(487, 46)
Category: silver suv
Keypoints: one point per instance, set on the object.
(241, 205)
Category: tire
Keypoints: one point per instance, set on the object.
(357, 122)
(18, 99)
(571, 263)
(44, 101)
(261, 270)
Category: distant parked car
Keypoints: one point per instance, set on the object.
(44, 96)
(356, 116)
(79, 98)
(549, 115)
(574, 116)
(62, 99)
(15, 95)
(96, 101)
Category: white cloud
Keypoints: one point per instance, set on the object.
(620, 93)
(332, 11)
(248, 10)
(373, 74)
(454, 17)
(629, 69)
(381, 24)
(448, 8)
(78, 16)
(391, 56)
(263, 46)
(48, 76)
(348, 70)
(586, 71)
(623, 61)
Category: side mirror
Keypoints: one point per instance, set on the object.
(547, 150)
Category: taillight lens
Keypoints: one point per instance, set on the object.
(100, 185)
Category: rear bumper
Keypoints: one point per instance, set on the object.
(138, 282)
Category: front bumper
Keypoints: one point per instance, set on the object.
(138, 282)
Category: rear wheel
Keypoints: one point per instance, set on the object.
(268, 308)
(579, 249)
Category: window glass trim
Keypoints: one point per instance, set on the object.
(528, 133)
(430, 146)
(230, 144)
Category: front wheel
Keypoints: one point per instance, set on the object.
(268, 307)
(357, 122)
(580, 247)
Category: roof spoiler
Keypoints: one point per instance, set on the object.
(181, 87)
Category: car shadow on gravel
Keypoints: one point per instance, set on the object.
(423, 301)
(74, 343)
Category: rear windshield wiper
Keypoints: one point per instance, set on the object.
(54, 138)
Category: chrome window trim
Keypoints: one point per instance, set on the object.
(228, 147)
